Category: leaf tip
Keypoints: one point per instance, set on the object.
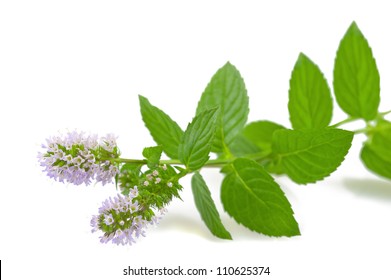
(302, 55)
(354, 24)
(304, 58)
(228, 65)
(141, 98)
(227, 237)
(353, 28)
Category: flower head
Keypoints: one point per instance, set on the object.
(77, 159)
(122, 219)
(145, 195)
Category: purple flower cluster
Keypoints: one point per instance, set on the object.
(77, 159)
(123, 219)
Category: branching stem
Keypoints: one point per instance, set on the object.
(385, 113)
(366, 129)
(209, 163)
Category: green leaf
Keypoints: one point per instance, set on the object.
(163, 129)
(376, 152)
(375, 162)
(307, 156)
(273, 166)
(241, 146)
(207, 208)
(252, 197)
(227, 91)
(310, 104)
(356, 77)
(261, 133)
(153, 154)
(380, 139)
(256, 139)
(197, 140)
(180, 169)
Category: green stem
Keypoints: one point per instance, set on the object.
(385, 113)
(362, 130)
(352, 119)
(347, 120)
(209, 163)
(126, 160)
(367, 129)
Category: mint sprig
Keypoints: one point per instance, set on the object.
(246, 153)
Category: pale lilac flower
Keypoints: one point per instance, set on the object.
(109, 219)
(79, 159)
(95, 223)
(121, 219)
(109, 142)
(134, 207)
(134, 191)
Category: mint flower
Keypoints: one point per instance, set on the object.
(79, 159)
(123, 219)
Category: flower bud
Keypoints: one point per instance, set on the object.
(158, 186)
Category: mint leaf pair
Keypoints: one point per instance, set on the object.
(252, 197)
(192, 147)
(356, 85)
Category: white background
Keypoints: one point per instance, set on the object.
(81, 64)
